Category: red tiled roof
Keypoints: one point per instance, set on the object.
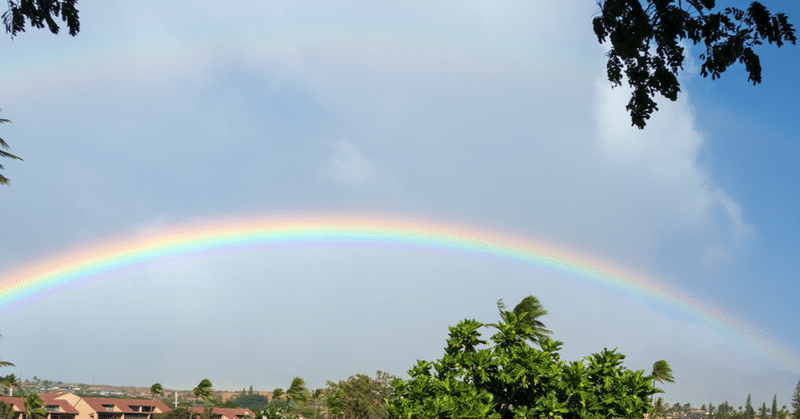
(64, 406)
(18, 402)
(122, 405)
(52, 395)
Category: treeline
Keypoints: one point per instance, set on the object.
(726, 411)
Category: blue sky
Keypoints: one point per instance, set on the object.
(496, 115)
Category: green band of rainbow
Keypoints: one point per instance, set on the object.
(32, 283)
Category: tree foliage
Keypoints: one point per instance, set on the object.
(297, 392)
(527, 311)
(4, 181)
(41, 13)
(511, 379)
(156, 390)
(796, 402)
(34, 407)
(277, 393)
(728, 37)
(7, 410)
(253, 402)
(773, 413)
(360, 397)
(749, 412)
(269, 412)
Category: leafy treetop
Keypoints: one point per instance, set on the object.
(728, 36)
(41, 13)
(511, 379)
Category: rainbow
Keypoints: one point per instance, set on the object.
(133, 252)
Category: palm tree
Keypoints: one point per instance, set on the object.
(658, 410)
(3, 179)
(34, 407)
(528, 311)
(661, 372)
(156, 390)
(276, 394)
(297, 392)
(203, 390)
(10, 381)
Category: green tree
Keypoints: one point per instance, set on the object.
(774, 411)
(277, 394)
(749, 413)
(204, 391)
(762, 411)
(510, 379)
(251, 390)
(156, 390)
(316, 400)
(662, 372)
(360, 396)
(41, 13)
(253, 402)
(796, 402)
(528, 312)
(10, 382)
(34, 407)
(7, 410)
(297, 392)
(711, 411)
(4, 180)
(634, 30)
(659, 409)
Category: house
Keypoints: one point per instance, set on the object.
(101, 408)
(56, 409)
(225, 413)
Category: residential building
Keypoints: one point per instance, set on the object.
(102, 408)
(56, 409)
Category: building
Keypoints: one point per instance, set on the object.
(100, 408)
(56, 409)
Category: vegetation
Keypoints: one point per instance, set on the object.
(528, 311)
(360, 397)
(7, 410)
(34, 407)
(297, 392)
(204, 391)
(4, 181)
(269, 412)
(511, 379)
(646, 43)
(156, 391)
(254, 402)
(277, 394)
(796, 402)
(10, 382)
